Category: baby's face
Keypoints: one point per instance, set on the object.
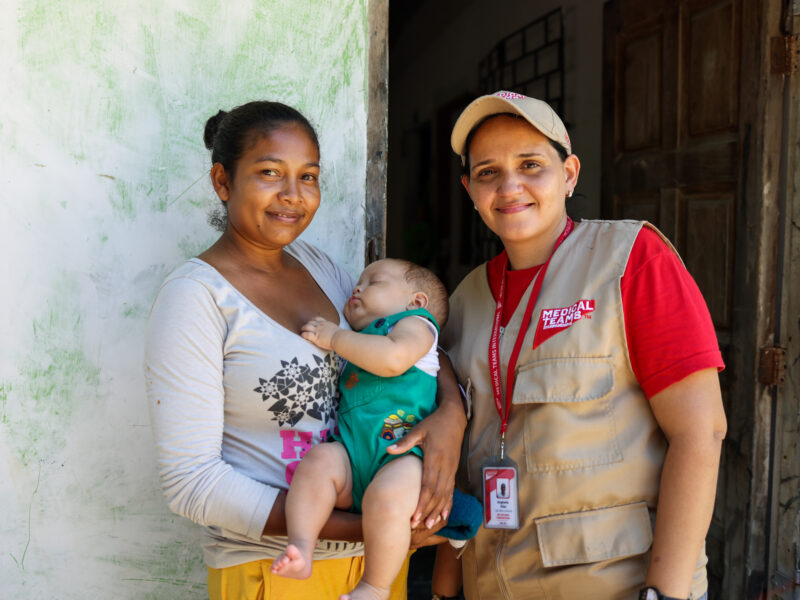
(381, 291)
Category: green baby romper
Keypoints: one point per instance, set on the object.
(375, 412)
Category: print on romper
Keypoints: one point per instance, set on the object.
(396, 425)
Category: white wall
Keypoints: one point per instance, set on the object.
(104, 192)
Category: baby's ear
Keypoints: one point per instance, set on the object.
(419, 300)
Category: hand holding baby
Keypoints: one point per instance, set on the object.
(320, 332)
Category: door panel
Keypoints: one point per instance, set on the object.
(640, 113)
(688, 135)
(707, 246)
(710, 76)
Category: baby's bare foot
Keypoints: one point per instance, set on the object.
(365, 591)
(292, 563)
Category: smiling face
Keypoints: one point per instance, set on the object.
(274, 193)
(382, 290)
(519, 184)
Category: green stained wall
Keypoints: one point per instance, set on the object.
(104, 192)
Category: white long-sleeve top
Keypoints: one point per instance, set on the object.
(235, 401)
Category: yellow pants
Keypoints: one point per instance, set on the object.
(332, 577)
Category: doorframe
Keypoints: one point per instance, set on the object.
(377, 130)
(784, 550)
(757, 224)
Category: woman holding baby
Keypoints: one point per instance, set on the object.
(237, 396)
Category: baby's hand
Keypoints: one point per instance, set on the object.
(320, 332)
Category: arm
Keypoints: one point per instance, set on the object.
(342, 525)
(675, 355)
(385, 356)
(183, 373)
(691, 415)
(439, 435)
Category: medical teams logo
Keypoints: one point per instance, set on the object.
(553, 320)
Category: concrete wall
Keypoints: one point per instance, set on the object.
(104, 192)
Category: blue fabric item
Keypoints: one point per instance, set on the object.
(466, 517)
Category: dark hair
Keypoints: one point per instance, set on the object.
(426, 281)
(229, 134)
(562, 152)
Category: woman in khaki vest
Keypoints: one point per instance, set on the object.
(590, 361)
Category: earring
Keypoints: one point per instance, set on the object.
(569, 194)
(475, 206)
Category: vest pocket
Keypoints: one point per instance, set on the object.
(568, 413)
(594, 535)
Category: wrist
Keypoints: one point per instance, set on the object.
(333, 339)
(650, 592)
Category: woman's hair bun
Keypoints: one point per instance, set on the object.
(212, 126)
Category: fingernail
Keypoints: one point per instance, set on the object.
(392, 447)
(430, 523)
(445, 513)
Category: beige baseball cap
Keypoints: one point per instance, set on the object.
(536, 112)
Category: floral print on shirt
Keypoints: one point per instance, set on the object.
(298, 389)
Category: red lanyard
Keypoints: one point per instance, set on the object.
(502, 404)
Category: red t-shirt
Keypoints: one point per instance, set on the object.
(667, 324)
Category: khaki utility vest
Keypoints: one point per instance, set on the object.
(588, 449)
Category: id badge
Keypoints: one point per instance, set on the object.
(500, 497)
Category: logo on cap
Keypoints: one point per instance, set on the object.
(509, 95)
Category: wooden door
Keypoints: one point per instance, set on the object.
(690, 144)
(785, 568)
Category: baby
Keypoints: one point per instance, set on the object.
(388, 385)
